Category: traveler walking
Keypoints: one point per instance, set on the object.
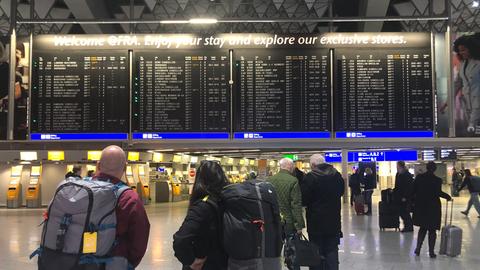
(289, 197)
(402, 195)
(370, 184)
(197, 243)
(354, 184)
(112, 240)
(322, 190)
(473, 183)
(427, 212)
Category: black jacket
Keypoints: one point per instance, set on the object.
(199, 237)
(427, 211)
(468, 182)
(72, 174)
(403, 186)
(369, 181)
(354, 184)
(322, 190)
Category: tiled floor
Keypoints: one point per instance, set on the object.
(364, 246)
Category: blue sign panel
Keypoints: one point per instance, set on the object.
(384, 134)
(332, 157)
(180, 136)
(373, 156)
(281, 135)
(77, 136)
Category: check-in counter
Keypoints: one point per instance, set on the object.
(143, 188)
(33, 192)
(130, 179)
(14, 192)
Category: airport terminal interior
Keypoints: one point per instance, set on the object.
(365, 83)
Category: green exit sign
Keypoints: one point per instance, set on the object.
(291, 156)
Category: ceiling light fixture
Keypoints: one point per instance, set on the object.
(203, 21)
(475, 4)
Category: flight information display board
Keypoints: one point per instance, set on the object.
(383, 91)
(181, 91)
(80, 92)
(282, 93)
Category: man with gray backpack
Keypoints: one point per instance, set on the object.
(95, 223)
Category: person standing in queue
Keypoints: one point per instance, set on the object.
(75, 173)
(197, 243)
(289, 197)
(402, 195)
(322, 191)
(427, 211)
(354, 185)
(473, 193)
(370, 184)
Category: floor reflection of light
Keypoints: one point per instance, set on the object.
(356, 252)
(14, 246)
(157, 250)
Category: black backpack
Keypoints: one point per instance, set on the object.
(252, 231)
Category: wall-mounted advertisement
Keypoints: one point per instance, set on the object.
(4, 78)
(466, 78)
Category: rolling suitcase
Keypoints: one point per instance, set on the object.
(359, 203)
(451, 237)
(387, 195)
(388, 217)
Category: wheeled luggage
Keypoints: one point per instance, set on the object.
(388, 217)
(451, 236)
(299, 251)
(387, 195)
(359, 203)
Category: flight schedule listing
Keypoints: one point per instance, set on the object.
(383, 90)
(282, 90)
(80, 92)
(181, 91)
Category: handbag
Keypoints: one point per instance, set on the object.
(299, 251)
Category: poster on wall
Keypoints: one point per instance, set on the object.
(466, 78)
(4, 78)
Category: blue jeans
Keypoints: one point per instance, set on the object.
(473, 201)
(328, 246)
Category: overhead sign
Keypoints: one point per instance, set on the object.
(373, 156)
(291, 156)
(56, 155)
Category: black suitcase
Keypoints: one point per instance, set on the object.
(387, 195)
(388, 216)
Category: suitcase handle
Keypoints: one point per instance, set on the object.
(446, 212)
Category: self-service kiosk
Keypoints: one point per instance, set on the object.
(14, 192)
(33, 197)
(130, 179)
(143, 187)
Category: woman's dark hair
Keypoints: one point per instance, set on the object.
(468, 173)
(471, 43)
(209, 180)
(431, 167)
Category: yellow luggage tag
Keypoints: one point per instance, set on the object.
(89, 242)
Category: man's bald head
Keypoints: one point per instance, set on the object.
(112, 162)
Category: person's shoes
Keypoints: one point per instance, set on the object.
(368, 213)
(470, 129)
(417, 252)
(433, 255)
(406, 230)
(464, 212)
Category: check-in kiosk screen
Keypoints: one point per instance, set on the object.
(282, 90)
(75, 91)
(181, 91)
(383, 89)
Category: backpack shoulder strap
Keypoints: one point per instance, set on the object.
(119, 188)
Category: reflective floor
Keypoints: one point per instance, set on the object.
(363, 247)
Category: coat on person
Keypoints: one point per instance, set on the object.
(289, 199)
(354, 184)
(403, 187)
(427, 190)
(369, 182)
(201, 227)
(322, 190)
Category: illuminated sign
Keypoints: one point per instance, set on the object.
(28, 156)
(157, 157)
(94, 155)
(133, 156)
(56, 155)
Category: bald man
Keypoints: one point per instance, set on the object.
(133, 226)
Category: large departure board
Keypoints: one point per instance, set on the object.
(282, 90)
(80, 91)
(181, 91)
(383, 90)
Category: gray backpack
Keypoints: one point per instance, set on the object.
(79, 208)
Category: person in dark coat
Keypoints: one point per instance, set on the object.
(299, 174)
(467, 182)
(354, 185)
(427, 212)
(402, 195)
(322, 190)
(370, 184)
(75, 173)
(197, 243)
